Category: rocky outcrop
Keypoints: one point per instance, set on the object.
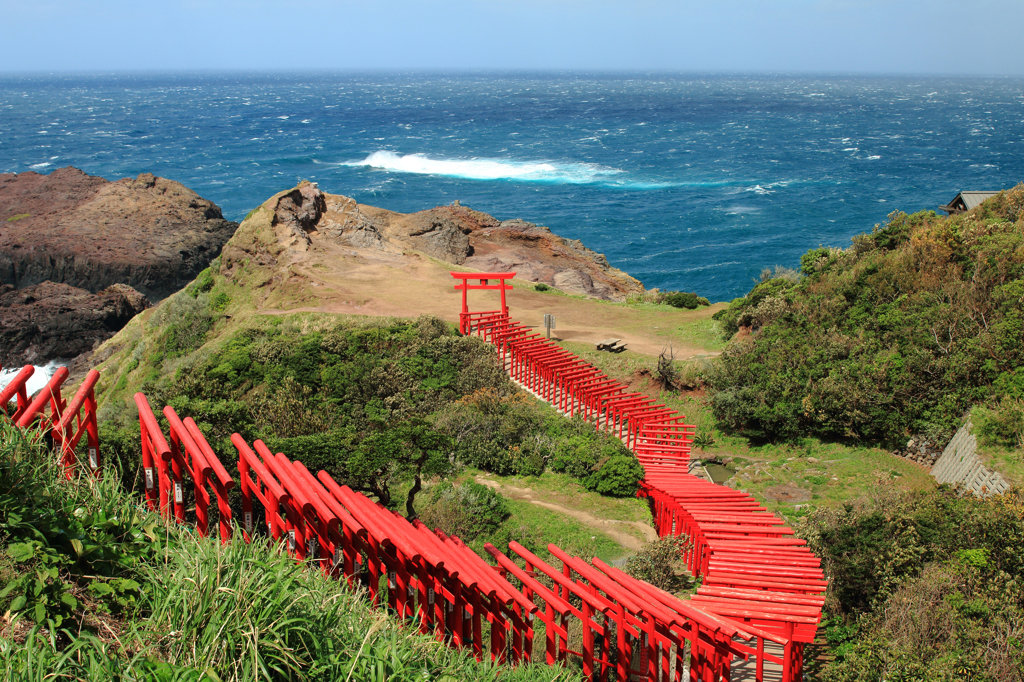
(297, 213)
(54, 320)
(301, 217)
(151, 233)
(920, 450)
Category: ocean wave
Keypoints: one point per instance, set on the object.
(550, 172)
(491, 169)
(36, 381)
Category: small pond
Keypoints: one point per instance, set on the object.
(719, 473)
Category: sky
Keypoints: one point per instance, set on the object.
(981, 37)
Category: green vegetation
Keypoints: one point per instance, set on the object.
(912, 327)
(659, 564)
(901, 333)
(924, 586)
(97, 588)
(511, 434)
(675, 299)
(18, 216)
(385, 406)
(683, 299)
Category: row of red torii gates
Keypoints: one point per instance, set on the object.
(758, 603)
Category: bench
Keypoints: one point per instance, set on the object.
(612, 345)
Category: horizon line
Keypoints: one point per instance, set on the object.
(595, 72)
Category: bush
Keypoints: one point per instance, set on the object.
(498, 431)
(1001, 425)
(576, 456)
(682, 299)
(202, 283)
(658, 563)
(922, 585)
(617, 477)
(540, 286)
(901, 335)
(467, 510)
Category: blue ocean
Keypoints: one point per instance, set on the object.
(687, 182)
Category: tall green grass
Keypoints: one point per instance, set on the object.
(198, 610)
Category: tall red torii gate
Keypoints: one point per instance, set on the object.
(466, 318)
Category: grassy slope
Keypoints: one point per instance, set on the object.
(153, 602)
(762, 467)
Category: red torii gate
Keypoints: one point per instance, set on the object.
(466, 318)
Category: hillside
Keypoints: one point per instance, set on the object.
(900, 334)
(305, 251)
(330, 349)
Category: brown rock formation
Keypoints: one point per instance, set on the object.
(153, 234)
(295, 221)
(51, 320)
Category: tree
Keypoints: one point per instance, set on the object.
(411, 449)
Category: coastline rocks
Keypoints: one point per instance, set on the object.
(55, 320)
(68, 227)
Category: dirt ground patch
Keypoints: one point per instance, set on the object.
(626, 533)
(787, 493)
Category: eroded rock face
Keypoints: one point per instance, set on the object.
(437, 233)
(148, 232)
(297, 213)
(458, 234)
(52, 320)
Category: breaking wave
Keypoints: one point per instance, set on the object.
(498, 169)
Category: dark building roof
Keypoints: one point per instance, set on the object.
(965, 201)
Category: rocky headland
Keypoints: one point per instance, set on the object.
(300, 226)
(80, 255)
(151, 233)
(67, 239)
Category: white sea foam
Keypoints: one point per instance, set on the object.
(40, 165)
(490, 169)
(37, 380)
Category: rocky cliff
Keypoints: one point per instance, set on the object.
(50, 320)
(151, 233)
(79, 256)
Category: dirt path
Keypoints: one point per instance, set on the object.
(610, 527)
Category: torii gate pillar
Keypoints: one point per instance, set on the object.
(467, 318)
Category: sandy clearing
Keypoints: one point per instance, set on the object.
(412, 285)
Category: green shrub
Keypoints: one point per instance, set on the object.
(1001, 425)
(467, 510)
(901, 333)
(219, 301)
(617, 477)
(923, 585)
(683, 299)
(577, 456)
(202, 283)
(540, 286)
(659, 563)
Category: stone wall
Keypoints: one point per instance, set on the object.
(959, 464)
